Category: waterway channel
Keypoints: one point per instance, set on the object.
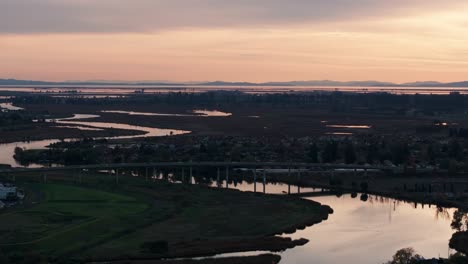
(366, 231)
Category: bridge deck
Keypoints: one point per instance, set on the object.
(203, 164)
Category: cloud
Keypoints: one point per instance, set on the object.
(70, 16)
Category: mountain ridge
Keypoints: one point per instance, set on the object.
(312, 83)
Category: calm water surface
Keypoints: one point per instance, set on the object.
(7, 150)
(196, 113)
(10, 107)
(367, 232)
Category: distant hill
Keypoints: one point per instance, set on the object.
(32, 82)
(222, 83)
(302, 83)
(423, 84)
(458, 84)
(21, 82)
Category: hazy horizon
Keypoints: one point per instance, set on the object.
(234, 41)
(227, 82)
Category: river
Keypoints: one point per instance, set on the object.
(76, 121)
(7, 150)
(365, 232)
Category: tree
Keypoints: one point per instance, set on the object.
(400, 153)
(457, 258)
(460, 220)
(455, 150)
(312, 153)
(330, 152)
(364, 187)
(349, 153)
(431, 154)
(405, 256)
(372, 153)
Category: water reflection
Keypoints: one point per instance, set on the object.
(206, 112)
(270, 187)
(149, 131)
(350, 126)
(141, 113)
(74, 117)
(83, 128)
(370, 232)
(8, 150)
(364, 229)
(196, 113)
(9, 107)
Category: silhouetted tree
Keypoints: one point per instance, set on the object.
(312, 153)
(405, 256)
(330, 152)
(349, 153)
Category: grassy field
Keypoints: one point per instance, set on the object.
(111, 221)
(67, 218)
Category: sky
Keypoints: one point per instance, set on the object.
(234, 40)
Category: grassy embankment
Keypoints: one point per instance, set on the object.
(142, 220)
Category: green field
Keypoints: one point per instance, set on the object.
(116, 220)
(67, 218)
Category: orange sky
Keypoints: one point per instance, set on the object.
(397, 46)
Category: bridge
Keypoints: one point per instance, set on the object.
(151, 169)
(251, 165)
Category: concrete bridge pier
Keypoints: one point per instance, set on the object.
(255, 179)
(227, 177)
(298, 180)
(191, 175)
(218, 178)
(264, 180)
(183, 175)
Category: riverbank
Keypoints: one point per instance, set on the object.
(52, 131)
(430, 189)
(99, 220)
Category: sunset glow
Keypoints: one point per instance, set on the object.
(238, 41)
